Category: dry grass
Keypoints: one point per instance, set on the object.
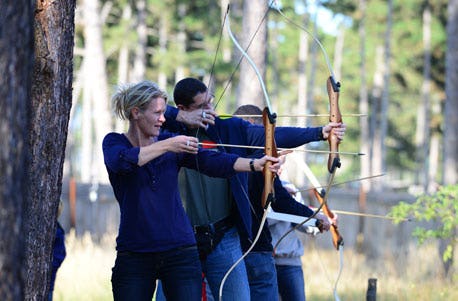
(86, 271)
(85, 274)
(417, 276)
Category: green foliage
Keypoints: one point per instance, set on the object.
(440, 208)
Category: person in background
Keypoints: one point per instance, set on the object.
(290, 277)
(259, 261)
(58, 253)
(220, 210)
(155, 239)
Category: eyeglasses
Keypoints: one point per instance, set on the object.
(204, 104)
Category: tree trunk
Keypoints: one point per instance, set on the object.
(164, 29)
(50, 111)
(338, 53)
(302, 103)
(226, 50)
(302, 73)
(123, 60)
(254, 29)
(422, 135)
(375, 155)
(386, 87)
(363, 125)
(435, 147)
(450, 168)
(96, 95)
(382, 127)
(181, 41)
(451, 104)
(16, 63)
(312, 71)
(139, 71)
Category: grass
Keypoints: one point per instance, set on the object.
(85, 273)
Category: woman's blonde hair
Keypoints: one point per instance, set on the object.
(137, 95)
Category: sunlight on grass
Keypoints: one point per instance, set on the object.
(413, 274)
(86, 271)
(417, 277)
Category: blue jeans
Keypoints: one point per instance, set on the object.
(219, 261)
(291, 282)
(134, 275)
(262, 276)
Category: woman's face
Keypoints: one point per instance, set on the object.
(151, 120)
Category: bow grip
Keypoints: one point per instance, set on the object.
(333, 89)
(270, 149)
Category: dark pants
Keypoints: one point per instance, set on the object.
(134, 275)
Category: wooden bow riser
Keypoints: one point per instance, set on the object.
(270, 149)
(334, 116)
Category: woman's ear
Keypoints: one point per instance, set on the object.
(134, 112)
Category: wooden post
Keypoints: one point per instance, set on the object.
(371, 294)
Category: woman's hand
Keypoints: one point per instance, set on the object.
(183, 144)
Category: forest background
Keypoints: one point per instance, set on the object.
(391, 57)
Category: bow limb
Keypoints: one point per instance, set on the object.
(321, 195)
(270, 149)
(337, 239)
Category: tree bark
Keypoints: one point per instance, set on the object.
(379, 165)
(181, 41)
(422, 135)
(249, 89)
(312, 70)
(139, 71)
(50, 111)
(376, 95)
(302, 92)
(386, 87)
(363, 125)
(95, 96)
(123, 60)
(450, 168)
(16, 63)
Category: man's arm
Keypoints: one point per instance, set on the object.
(290, 137)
